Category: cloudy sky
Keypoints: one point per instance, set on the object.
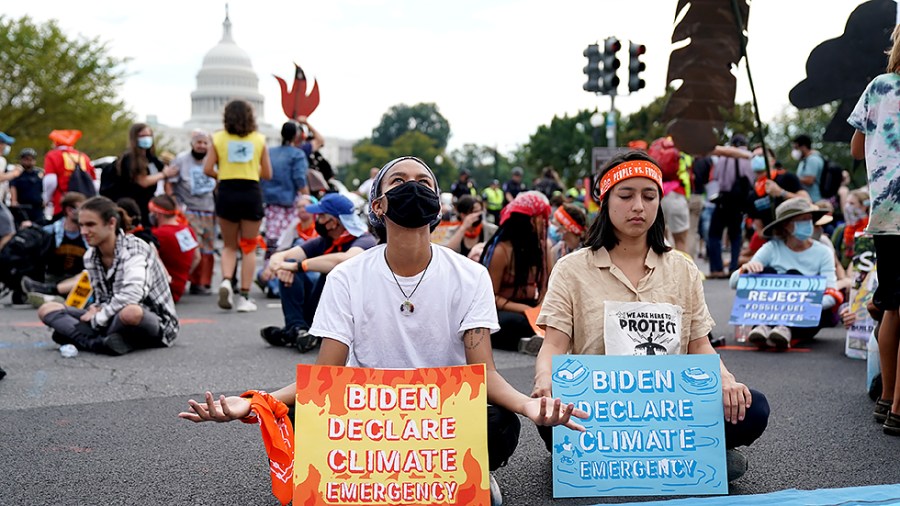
(497, 69)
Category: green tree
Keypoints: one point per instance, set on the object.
(52, 81)
(565, 144)
(644, 124)
(484, 162)
(401, 118)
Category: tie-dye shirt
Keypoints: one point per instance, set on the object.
(877, 115)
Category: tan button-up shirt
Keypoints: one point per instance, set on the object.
(582, 281)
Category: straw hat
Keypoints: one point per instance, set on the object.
(792, 208)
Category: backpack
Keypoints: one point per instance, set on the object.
(832, 177)
(667, 156)
(80, 181)
(24, 254)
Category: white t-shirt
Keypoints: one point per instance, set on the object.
(360, 307)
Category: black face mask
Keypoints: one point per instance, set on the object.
(197, 155)
(412, 205)
(321, 229)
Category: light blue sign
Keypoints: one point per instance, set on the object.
(656, 426)
(778, 299)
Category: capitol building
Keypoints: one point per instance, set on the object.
(225, 74)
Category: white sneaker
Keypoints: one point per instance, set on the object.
(245, 305)
(226, 296)
(780, 337)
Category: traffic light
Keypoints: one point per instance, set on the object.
(592, 70)
(635, 66)
(610, 81)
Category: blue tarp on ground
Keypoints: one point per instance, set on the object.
(880, 495)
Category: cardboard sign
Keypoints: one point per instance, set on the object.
(778, 299)
(865, 281)
(858, 333)
(656, 426)
(81, 293)
(374, 436)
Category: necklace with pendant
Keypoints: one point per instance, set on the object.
(407, 308)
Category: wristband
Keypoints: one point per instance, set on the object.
(304, 265)
(836, 294)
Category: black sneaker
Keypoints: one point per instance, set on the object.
(61, 339)
(882, 408)
(30, 285)
(199, 290)
(114, 344)
(305, 341)
(736, 463)
(277, 336)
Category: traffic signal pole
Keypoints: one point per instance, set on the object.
(611, 122)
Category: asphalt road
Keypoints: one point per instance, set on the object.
(103, 430)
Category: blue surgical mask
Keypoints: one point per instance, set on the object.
(145, 142)
(803, 230)
(553, 233)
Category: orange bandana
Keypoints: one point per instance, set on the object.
(278, 438)
(628, 170)
(475, 231)
(153, 208)
(565, 219)
(308, 232)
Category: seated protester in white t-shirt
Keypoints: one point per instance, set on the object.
(793, 250)
(408, 303)
(627, 266)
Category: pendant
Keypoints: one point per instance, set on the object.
(407, 308)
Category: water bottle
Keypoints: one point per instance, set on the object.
(68, 351)
(741, 332)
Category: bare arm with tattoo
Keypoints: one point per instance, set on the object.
(542, 410)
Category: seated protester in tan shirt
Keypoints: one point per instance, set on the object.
(627, 266)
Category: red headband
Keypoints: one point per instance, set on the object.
(153, 208)
(628, 170)
(565, 219)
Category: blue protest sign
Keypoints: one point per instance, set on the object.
(656, 426)
(778, 299)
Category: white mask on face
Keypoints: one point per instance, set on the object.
(796, 154)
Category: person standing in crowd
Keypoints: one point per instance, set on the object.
(874, 140)
(309, 139)
(493, 197)
(734, 176)
(65, 261)
(132, 307)
(549, 184)
(856, 220)
(7, 222)
(6, 143)
(303, 270)
(193, 190)
(518, 260)
(515, 185)
(289, 166)
(472, 229)
(811, 165)
(572, 222)
(239, 159)
(27, 190)
(139, 171)
(59, 164)
(463, 185)
(437, 323)
(793, 250)
(178, 247)
(627, 262)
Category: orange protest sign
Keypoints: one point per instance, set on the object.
(441, 233)
(379, 436)
(532, 315)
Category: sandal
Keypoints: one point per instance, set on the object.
(882, 408)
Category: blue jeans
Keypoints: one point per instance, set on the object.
(724, 217)
(299, 301)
